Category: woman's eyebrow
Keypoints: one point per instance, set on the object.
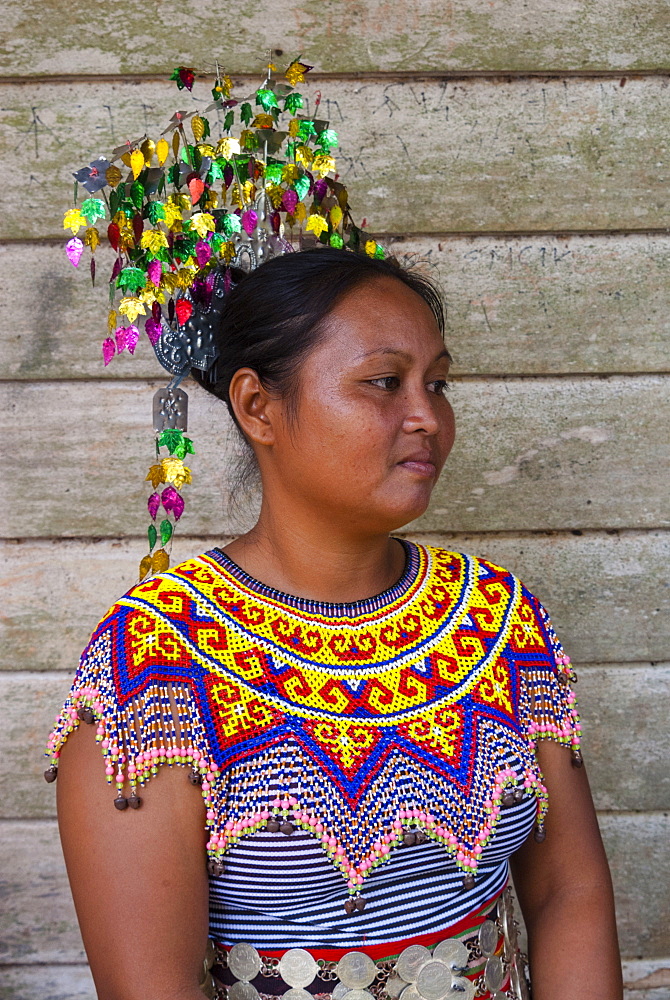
(400, 354)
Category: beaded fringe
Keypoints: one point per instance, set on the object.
(282, 787)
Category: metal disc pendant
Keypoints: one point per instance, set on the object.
(358, 995)
(356, 970)
(243, 991)
(339, 991)
(434, 980)
(394, 987)
(453, 953)
(297, 968)
(410, 993)
(410, 961)
(488, 938)
(244, 962)
(297, 994)
(494, 973)
(462, 989)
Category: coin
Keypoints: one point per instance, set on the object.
(297, 968)
(462, 989)
(243, 991)
(410, 993)
(434, 980)
(358, 995)
(410, 961)
(244, 962)
(296, 994)
(494, 973)
(394, 986)
(356, 970)
(453, 953)
(339, 991)
(488, 937)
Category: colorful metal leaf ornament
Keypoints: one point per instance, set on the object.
(152, 535)
(257, 179)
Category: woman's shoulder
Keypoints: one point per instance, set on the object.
(479, 571)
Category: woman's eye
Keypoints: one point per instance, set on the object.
(386, 382)
(440, 386)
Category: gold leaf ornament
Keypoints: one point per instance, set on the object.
(197, 127)
(113, 175)
(153, 240)
(175, 472)
(160, 561)
(148, 149)
(131, 307)
(227, 147)
(162, 151)
(111, 321)
(74, 220)
(145, 567)
(137, 162)
(155, 475)
(203, 223)
(316, 224)
(335, 216)
(92, 238)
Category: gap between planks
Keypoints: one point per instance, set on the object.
(156, 380)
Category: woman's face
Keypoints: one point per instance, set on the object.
(372, 427)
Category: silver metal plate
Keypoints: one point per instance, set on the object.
(243, 991)
(297, 994)
(358, 995)
(453, 953)
(434, 980)
(410, 993)
(410, 961)
(339, 991)
(356, 970)
(297, 968)
(494, 973)
(462, 989)
(394, 987)
(244, 961)
(170, 410)
(488, 938)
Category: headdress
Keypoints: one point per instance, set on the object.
(179, 213)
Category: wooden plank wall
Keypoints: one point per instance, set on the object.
(521, 150)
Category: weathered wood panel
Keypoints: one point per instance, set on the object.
(524, 305)
(529, 454)
(38, 922)
(623, 775)
(607, 591)
(51, 982)
(338, 35)
(510, 155)
(637, 846)
(647, 979)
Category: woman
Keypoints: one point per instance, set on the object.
(372, 728)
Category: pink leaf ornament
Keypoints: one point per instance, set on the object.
(153, 329)
(132, 336)
(289, 201)
(74, 248)
(108, 350)
(203, 252)
(153, 503)
(249, 220)
(173, 501)
(155, 272)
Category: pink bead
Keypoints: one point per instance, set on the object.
(265, 814)
(352, 873)
(318, 828)
(359, 879)
(397, 825)
(377, 845)
(385, 849)
(339, 850)
(332, 842)
(402, 813)
(109, 769)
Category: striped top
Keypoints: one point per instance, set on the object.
(368, 768)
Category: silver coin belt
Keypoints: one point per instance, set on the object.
(418, 973)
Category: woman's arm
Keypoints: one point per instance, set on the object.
(565, 891)
(138, 877)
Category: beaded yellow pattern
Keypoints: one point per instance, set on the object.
(416, 710)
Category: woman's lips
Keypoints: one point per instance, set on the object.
(420, 467)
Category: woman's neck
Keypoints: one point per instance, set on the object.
(309, 561)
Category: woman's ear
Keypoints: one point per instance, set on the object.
(252, 407)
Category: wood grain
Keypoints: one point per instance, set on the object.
(530, 454)
(606, 591)
(523, 305)
(38, 924)
(420, 156)
(609, 697)
(339, 35)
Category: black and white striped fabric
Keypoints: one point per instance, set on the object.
(282, 892)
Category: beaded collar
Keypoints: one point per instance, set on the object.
(414, 712)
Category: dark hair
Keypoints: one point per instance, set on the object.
(273, 316)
